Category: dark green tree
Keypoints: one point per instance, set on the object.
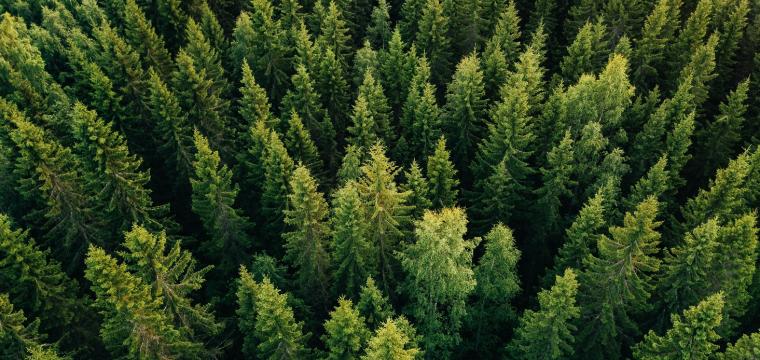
(373, 305)
(352, 254)
(442, 177)
(587, 53)
(432, 40)
(345, 332)
(298, 142)
(278, 168)
(419, 190)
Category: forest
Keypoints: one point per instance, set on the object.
(379, 179)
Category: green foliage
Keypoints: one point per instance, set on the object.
(432, 40)
(419, 190)
(299, 143)
(390, 342)
(691, 337)
(213, 201)
(587, 53)
(352, 254)
(15, 336)
(373, 305)
(346, 332)
(270, 329)
(442, 178)
(439, 277)
(549, 332)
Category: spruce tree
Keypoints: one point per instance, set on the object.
(507, 32)
(656, 183)
(143, 37)
(397, 67)
(549, 332)
(464, 114)
(420, 119)
(617, 283)
(390, 343)
(362, 133)
(497, 283)
(345, 332)
(439, 277)
(351, 255)
(365, 59)
(118, 179)
(442, 178)
(378, 107)
(410, 15)
(691, 337)
(253, 105)
(213, 201)
(432, 40)
(333, 88)
(387, 211)
(126, 302)
(701, 70)
(379, 30)
(298, 142)
(278, 167)
(261, 41)
(373, 305)
(16, 336)
(172, 276)
(557, 184)
(659, 30)
(419, 190)
(744, 348)
(334, 34)
(587, 53)
(305, 243)
(350, 167)
(270, 328)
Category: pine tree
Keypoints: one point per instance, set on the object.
(118, 179)
(125, 301)
(497, 283)
(352, 255)
(495, 68)
(261, 41)
(587, 53)
(345, 332)
(649, 54)
(270, 328)
(387, 210)
(142, 36)
(174, 138)
(656, 182)
(442, 177)
(397, 67)
(420, 121)
(213, 201)
(730, 22)
(464, 114)
(373, 305)
(379, 30)
(390, 343)
(507, 32)
(439, 277)
(691, 337)
(701, 70)
(719, 139)
(201, 99)
(333, 88)
(363, 130)
(48, 176)
(558, 181)
(172, 276)
(549, 332)
(299, 144)
(417, 186)
(617, 282)
(278, 168)
(432, 40)
(691, 35)
(305, 242)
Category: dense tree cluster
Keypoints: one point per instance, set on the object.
(390, 179)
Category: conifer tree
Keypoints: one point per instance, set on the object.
(656, 183)
(701, 70)
(299, 144)
(278, 167)
(253, 105)
(373, 305)
(396, 70)
(172, 276)
(260, 40)
(118, 179)
(691, 337)
(377, 106)
(442, 177)
(557, 177)
(410, 15)
(126, 303)
(333, 88)
(691, 35)
(37, 283)
(143, 37)
(350, 167)
(345, 332)
(213, 200)
(334, 33)
(507, 32)
(174, 136)
(719, 139)
(387, 210)
(417, 186)
(201, 99)
(365, 59)
(439, 277)
(587, 53)
(270, 328)
(464, 114)
(659, 30)
(432, 40)
(48, 176)
(390, 343)
(420, 122)
(617, 283)
(16, 337)
(495, 67)
(363, 132)
(497, 283)
(352, 254)
(549, 332)
(744, 348)
(730, 22)
(305, 242)
(379, 30)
